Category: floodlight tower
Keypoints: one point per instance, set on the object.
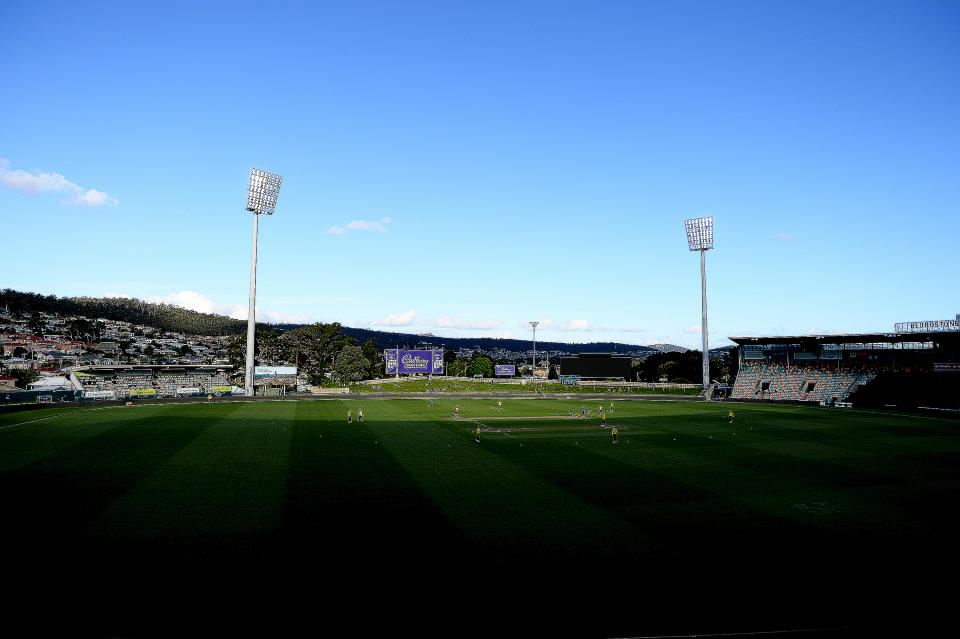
(261, 200)
(533, 373)
(700, 238)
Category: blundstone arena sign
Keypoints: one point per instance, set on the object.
(935, 326)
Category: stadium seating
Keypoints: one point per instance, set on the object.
(123, 382)
(810, 381)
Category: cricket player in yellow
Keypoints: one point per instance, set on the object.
(478, 434)
(730, 416)
(614, 434)
(349, 416)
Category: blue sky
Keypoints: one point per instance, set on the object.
(463, 168)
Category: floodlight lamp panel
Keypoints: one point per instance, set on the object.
(699, 233)
(263, 191)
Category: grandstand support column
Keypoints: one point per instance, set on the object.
(251, 316)
(706, 349)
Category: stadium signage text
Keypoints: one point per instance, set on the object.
(401, 361)
(946, 367)
(504, 370)
(98, 394)
(274, 371)
(934, 326)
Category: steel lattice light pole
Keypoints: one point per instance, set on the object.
(261, 200)
(700, 238)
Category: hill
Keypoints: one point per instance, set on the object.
(182, 320)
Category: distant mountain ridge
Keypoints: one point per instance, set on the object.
(178, 319)
(383, 339)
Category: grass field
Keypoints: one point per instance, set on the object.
(152, 520)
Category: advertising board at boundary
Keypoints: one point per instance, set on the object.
(423, 362)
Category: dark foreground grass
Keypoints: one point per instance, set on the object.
(262, 517)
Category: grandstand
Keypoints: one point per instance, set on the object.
(831, 369)
(120, 382)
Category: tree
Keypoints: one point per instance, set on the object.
(36, 325)
(350, 364)
(457, 367)
(733, 363)
(25, 376)
(667, 370)
(316, 345)
(372, 355)
(20, 351)
(553, 372)
(186, 350)
(480, 366)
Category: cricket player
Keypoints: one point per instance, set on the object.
(730, 416)
(349, 416)
(614, 433)
(360, 415)
(478, 434)
(499, 404)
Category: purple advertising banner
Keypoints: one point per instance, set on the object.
(425, 362)
(504, 370)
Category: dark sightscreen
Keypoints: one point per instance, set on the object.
(596, 366)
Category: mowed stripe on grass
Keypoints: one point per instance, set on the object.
(280, 488)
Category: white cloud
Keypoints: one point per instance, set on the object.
(195, 301)
(363, 225)
(574, 325)
(407, 318)
(824, 331)
(456, 322)
(37, 182)
(92, 197)
(580, 325)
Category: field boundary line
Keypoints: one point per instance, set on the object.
(41, 419)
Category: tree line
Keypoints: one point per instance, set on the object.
(125, 309)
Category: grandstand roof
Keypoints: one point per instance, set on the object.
(850, 338)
